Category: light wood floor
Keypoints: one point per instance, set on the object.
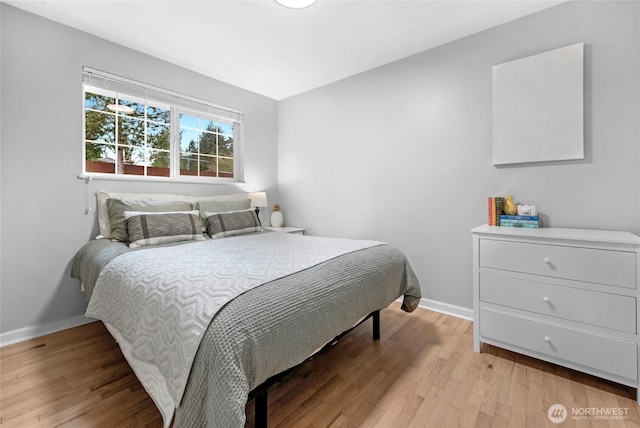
(422, 373)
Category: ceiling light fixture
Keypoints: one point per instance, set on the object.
(119, 108)
(296, 4)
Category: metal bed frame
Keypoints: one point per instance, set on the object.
(260, 392)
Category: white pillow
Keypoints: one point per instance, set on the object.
(128, 214)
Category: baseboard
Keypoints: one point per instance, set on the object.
(26, 333)
(447, 309)
(31, 332)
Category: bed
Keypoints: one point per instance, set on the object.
(203, 322)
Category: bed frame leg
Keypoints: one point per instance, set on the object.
(261, 408)
(376, 325)
(260, 393)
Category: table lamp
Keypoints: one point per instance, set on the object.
(258, 199)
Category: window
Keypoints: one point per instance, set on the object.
(132, 129)
(124, 135)
(206, 146)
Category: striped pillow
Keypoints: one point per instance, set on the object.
(232, 223)
(117, 207)
(216, 206)
(151, 228)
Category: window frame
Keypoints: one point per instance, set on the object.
(176, 135)
(178, 104)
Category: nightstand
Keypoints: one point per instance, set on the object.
(288, 229)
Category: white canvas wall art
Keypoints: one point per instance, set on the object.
(538, 107)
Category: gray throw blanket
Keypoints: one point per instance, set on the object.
(278, 325)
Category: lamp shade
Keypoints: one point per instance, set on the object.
(296, 4)
(258, 199)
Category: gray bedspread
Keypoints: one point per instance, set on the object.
(92, 258)
(277, 325)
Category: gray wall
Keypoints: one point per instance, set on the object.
(43, 203)
(403, 153)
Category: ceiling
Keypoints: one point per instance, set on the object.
(278, 52)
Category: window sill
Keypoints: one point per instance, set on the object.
(190, 180)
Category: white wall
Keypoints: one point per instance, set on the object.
(403, 153)
(43, 203)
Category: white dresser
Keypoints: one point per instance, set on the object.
(567, 296)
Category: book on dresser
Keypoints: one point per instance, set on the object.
(566, 296)
(494, 210)
(526, 221)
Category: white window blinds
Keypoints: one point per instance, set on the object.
(118, 84)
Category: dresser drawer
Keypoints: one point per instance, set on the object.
(591, 307)
(610, 355)
(617, 268)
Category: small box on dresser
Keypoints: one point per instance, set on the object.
(567, 296)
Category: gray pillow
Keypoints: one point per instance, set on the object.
(232, 223)
(146, 229)
(117, 207)
(217, 206)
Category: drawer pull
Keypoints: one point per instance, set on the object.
(547, 339)
(547, 260)
(546, 300)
